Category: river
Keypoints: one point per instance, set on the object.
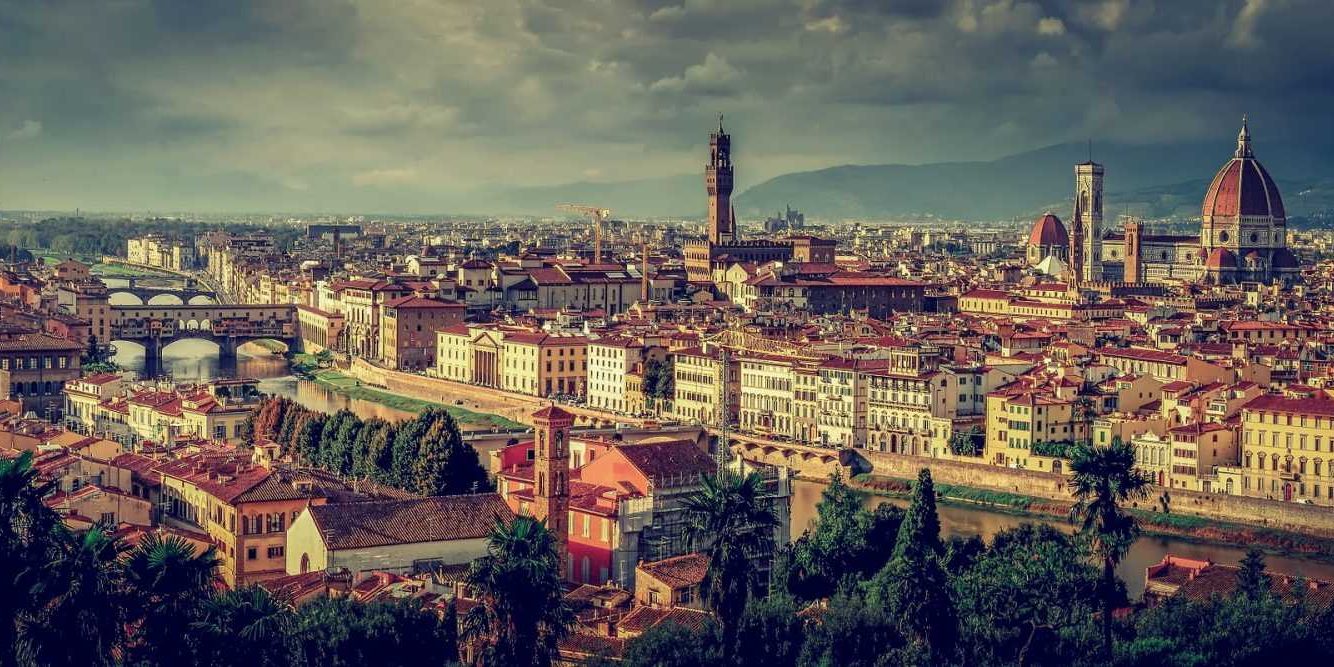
(1147, 550)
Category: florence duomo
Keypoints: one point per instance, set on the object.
(1243, 233)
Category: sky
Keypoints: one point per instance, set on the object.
(416, 105)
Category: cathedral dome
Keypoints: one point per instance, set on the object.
(1048, 230)
(1242, 187)
(1221, 258)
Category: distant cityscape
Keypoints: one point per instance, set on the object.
(442, 381)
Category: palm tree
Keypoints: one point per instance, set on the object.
(518, 583)
(171, 583)
(31, 536)
(728, 521)
(82, 598)
(251, 615)
(1102, 479)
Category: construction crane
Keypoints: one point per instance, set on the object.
(598, 214)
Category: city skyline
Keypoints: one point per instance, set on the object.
(215, 107)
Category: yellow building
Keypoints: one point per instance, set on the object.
(245, 508)
(513, 359)
(766, 400)
(1287, 447)
(1019, 418)
(1197, 450)
(700, 379)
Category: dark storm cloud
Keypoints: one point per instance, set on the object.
(327, 103)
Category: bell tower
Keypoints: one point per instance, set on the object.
(1088, 202)
(551, 476)
(718, 183)
(1134, 235)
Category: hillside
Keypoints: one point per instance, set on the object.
(1152, 180)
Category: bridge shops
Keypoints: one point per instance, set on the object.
(229, 326)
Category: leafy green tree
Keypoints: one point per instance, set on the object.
(403, 456)
(850, 633)
(172, 582)
(522, 612)
(252, 616)
(341, 632)
(308, 439)
(914, 587)
(672, 645)
(430, 470)
(845, 545)
(729, 521)
(1102, 480)
(1252, 581)
(81, 598)
(770, 634)
(30, 539)
(1028, 588)
(344, 444)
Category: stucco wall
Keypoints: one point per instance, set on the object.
(303, 538)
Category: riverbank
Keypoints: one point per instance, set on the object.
(96, 266)
(1180, 526)
(352, 388)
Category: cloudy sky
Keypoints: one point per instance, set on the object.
(408, 105)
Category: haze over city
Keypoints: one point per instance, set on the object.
(435, 106)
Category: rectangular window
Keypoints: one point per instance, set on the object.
(587, 520)
(275, 552)
(251, 553)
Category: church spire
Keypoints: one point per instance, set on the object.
(1244, 140)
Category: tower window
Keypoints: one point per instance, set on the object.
(1254, 237)
(1223, 237)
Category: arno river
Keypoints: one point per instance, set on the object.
(198, 360)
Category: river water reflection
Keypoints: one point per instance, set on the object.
(1147, 550)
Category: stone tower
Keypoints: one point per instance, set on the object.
(718, 182)
(1088, 203)
(1134, 235)
(551, 476)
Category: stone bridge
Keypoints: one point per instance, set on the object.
(802, 460)
(145, 288)
(155, 326)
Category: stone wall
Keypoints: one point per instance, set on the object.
(1307, 519)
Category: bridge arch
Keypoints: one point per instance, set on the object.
(165, 299)
(201, 300)
(118, 298)
(168, 343)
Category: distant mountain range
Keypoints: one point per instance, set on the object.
(1148, 180)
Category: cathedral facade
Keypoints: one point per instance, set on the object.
(1243, 233)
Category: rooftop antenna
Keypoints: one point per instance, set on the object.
(1090, 149)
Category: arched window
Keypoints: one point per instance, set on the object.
(305, 563)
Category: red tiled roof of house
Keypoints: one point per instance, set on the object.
(679, 571)
(1316, 404)
(643, 618)
(659, 460)
(438, 518)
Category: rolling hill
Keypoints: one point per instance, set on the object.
(1149, 180)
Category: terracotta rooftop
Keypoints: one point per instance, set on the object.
(379, 523)
(679, 571)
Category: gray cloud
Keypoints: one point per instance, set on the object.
(338, 104)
